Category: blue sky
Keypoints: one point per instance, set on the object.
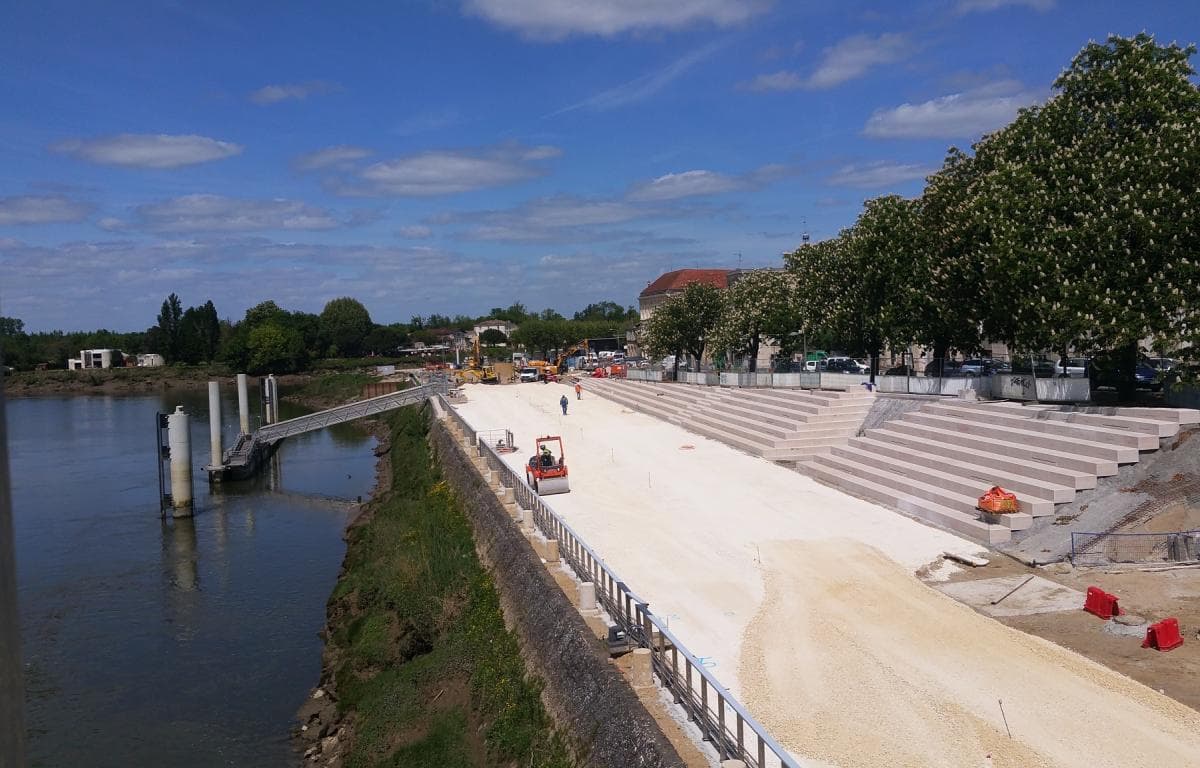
(454, 155)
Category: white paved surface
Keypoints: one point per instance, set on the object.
(803, 602)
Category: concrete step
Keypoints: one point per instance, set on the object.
(1024, 451)
(946, 497)
(988, 460)
(1151, 426)
(1025, 436)
(985, 476)
(1181, 416)
(811, 414)
(804, 397)
(748, 435)
(1031, 420)
(648, 405)
(944, 479)
(935, 514)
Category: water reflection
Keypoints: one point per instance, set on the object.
(179, 546)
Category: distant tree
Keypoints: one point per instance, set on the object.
(199, 334)
(542, 336)
(384, 340)
(551, 315)
(274, 348)
(759, 304)
(345, 324)
(11, 326)
(493, 337)
(514, 313)
(170, 318)
(685, 321)
(607, 311)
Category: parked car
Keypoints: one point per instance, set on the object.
(1163, 364)
(843, 365)
(530, 374)
(1042, 369)
(984, 366)
(945, 369)
(904, 369)
(1147, 377)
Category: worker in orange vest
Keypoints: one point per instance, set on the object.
(578, 391)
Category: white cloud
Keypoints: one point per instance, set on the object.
(273, 94)
(146, 150)
(556, 19)
(673, 186)
(970, 6)
(642, 88)
(446, 172)
(775, 81)
(330, 157)
(853, 56)
(217, 213)
(41, 209)
(966, 114)
(878, 174)
(414, 232)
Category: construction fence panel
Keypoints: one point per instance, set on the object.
(1108, 548)
(733, 731)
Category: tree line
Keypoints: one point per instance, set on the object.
(1070, 230)
(270, 338)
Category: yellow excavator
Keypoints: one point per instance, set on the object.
(476, 372)
(560, 363)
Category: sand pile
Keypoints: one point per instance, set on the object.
(879, 669)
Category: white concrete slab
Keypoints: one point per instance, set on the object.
(1038, 596)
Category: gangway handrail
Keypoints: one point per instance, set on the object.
(270, 433)
(646, 628)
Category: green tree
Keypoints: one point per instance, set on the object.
(1091, 206)
(345, 324)
(274, 348)
(199, 334)
(607, 311)
(684, 322)
(542, 336)
(170, 318)
(758, 305)
(493, 337)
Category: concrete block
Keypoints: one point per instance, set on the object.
(587, 597)
(551, 555)
(640, 668)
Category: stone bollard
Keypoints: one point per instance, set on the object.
(527, 520)
(507, 495)
(587, 598)
(551, 551)
(732, 764)
(513, 509)
(640, 670)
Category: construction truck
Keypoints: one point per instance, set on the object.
(546, 472)
(476, 371)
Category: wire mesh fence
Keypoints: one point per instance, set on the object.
(1106, 548)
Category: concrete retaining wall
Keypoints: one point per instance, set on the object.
(584, 692)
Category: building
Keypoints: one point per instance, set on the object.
(504, 326)
(150, 360)
(96, 358)
(672, 283)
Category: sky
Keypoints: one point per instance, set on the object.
(450, 156)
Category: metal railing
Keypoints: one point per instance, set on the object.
(274, 432)
(1107, 548)
(721, 719)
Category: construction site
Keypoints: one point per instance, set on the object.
(822, 555)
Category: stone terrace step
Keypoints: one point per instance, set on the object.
(1008, 417)
(786, 413)
(941, 482)
(898, 454)
(1074, 462)
(1025, 436)
(922, 509)
(988, 460)
(1121, 420)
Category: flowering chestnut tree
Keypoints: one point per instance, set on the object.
(758, 305)
(684, 322)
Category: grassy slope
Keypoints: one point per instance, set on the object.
(422, 656)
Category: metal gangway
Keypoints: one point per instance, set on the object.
(251, 451)
(273, 433)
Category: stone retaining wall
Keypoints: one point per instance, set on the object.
(585, 693)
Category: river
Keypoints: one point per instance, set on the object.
(181, 642)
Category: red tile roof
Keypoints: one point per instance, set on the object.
(681, 278)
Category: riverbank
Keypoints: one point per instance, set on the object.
(418, 668)
(125, 381)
